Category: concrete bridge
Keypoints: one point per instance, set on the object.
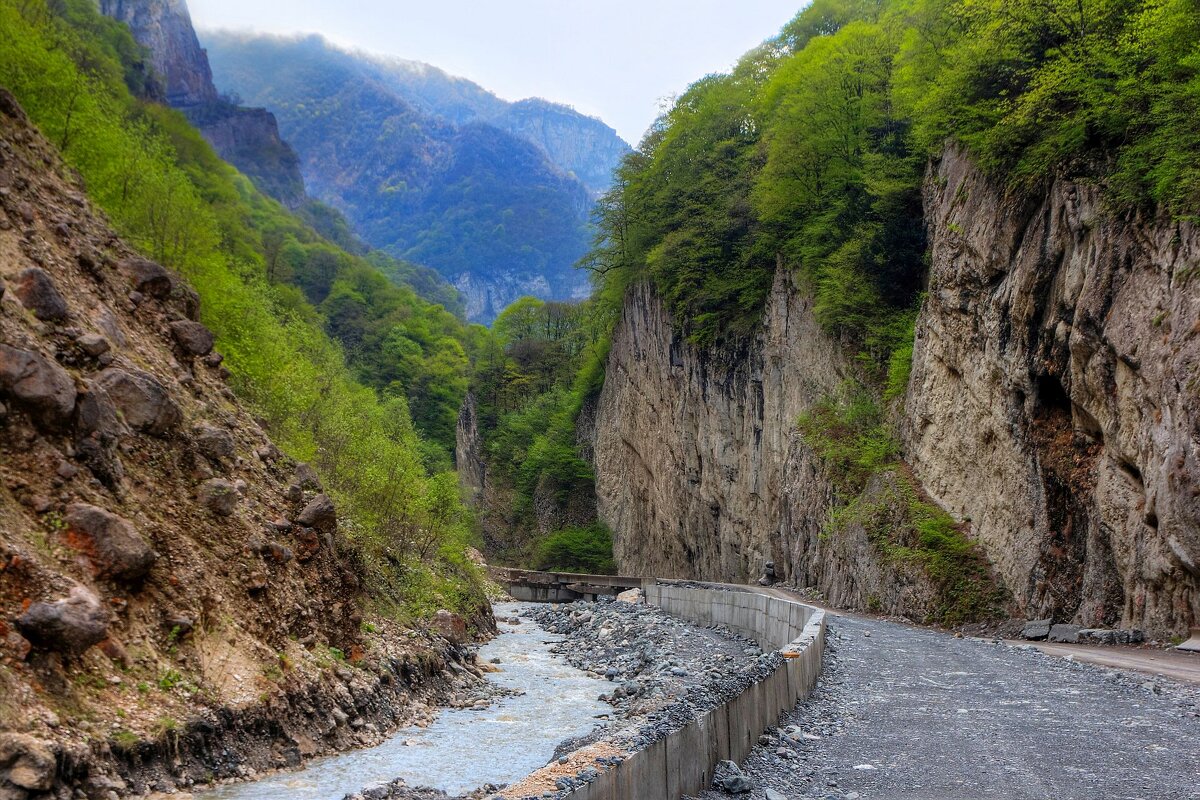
(562, 587)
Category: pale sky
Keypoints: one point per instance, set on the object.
(615, 59)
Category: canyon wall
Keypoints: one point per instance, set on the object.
(1055, 396)
(1052, 410)
(691, 445)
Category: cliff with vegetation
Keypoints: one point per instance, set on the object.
(248, 138)
(924, 342)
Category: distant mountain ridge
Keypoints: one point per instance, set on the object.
(426, 167)
(582, 145)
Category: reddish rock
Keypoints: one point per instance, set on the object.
(110, 542)
(37, 292)
(450, 625)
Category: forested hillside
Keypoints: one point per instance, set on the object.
(439, 184)
(376, 417)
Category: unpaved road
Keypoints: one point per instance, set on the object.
(904, 713)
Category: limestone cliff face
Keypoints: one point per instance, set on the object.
(248, 138)
(692, 446)
(1055, 396)
(1053, 409)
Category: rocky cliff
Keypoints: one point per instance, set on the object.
(692, 446)
(1052, 410)
(248, 138)
(1055, 396)
(171, 585)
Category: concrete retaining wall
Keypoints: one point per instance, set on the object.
(683, 762)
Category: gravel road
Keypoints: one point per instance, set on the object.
(904, 713)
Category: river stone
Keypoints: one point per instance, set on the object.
(110, 542)
(142, 400)
(38, 293)
(1037, 629)
(27, 762)
(219, 496)
(70, 625)
(40, 385)
(192, 337)
(319, 514)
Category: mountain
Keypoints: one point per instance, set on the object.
(426, 167)
(248, 138)
(583, 146)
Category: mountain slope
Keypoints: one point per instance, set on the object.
(484, 207)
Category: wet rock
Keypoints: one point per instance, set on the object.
(215, 443)
(41, 386)
(1037, 629)
(319, 514)
(93, 344)
(110, 542)
(147, 277)
(27, 762)
(37, 292)
(70, 625)
(143, 401)
(192, 337)
(219, 496)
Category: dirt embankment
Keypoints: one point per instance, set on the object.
(177, 602)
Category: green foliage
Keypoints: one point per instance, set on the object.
(850, 438)
(167, 192)
(534, 371)
(587, 550)
(809, 154)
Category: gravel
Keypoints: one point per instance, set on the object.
(903, 713)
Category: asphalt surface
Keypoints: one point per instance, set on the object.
(904, 713)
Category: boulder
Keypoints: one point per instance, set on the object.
(630, 596)
(143, 401)
(110, 542)
(1037, 629)
(1068, 634)
(69, 625)
(450, 625)
(147, 277)
(97, 413)
(1108, 636)
(27, 762)
(192, 337)
(40, 385)
(93, 344)
(307, 478)
(213, 442)
(219, 496)
(37, 292)
(319, 514)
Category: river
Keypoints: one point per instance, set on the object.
(463, 749)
